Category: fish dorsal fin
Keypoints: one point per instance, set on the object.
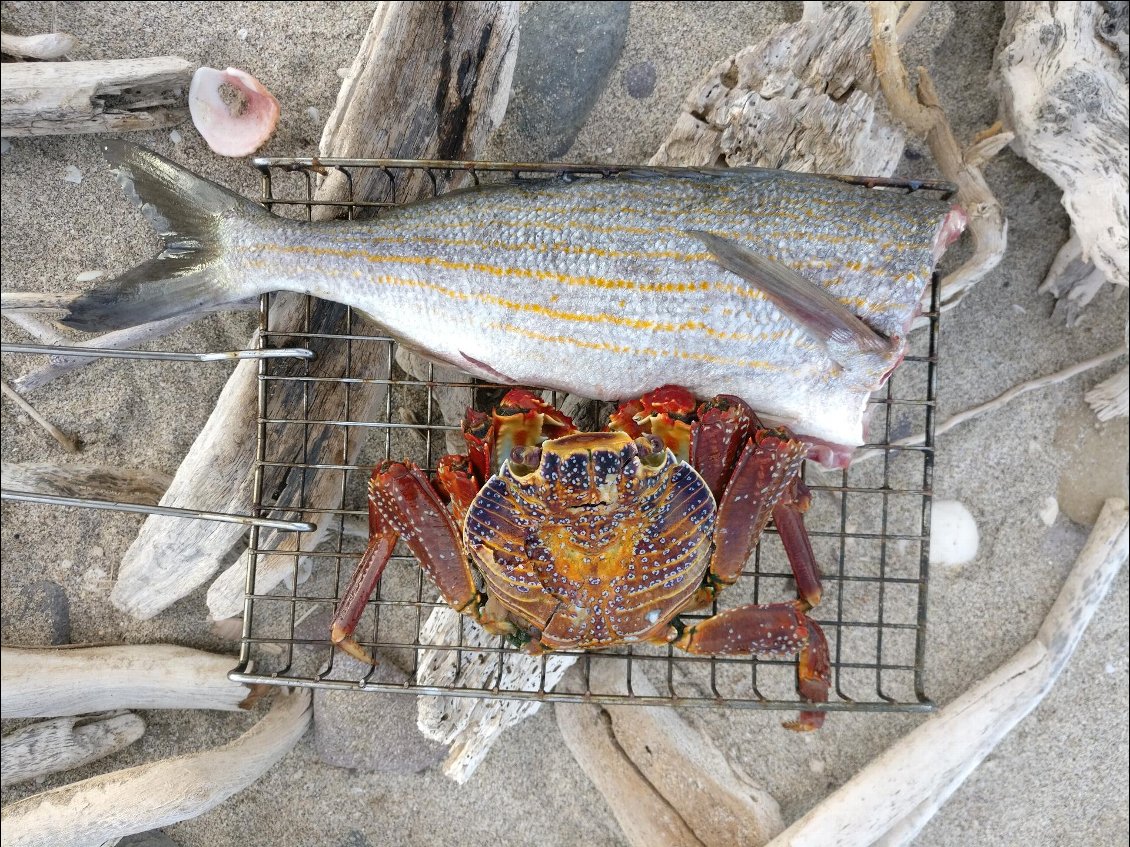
(824, 318)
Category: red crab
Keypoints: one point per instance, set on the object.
(595, 539)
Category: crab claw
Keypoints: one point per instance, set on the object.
(232, 110)
(666, 412)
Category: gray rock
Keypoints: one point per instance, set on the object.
(565, 55)
(41, 615)
(369, 731)
(639, 80)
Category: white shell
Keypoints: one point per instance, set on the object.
(227, 133)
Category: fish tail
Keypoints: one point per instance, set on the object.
(189, 274)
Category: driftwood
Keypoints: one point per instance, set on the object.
(70, 443)
(65, 743)
(63, 98)
(923, 114)
(97, 482)
(1065, 96)
(660, 774)
(54, 682)
(1062, 80)
(890, 800)
(105, 808)
(44, 46)
(402, 55)
(806, 98)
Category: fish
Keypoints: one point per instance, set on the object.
(792, 291)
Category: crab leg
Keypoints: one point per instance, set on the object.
(788, 517)
(774, 629)
(405, 499)
(382, 538)
(764, 480)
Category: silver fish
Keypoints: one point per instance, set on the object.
(793, 291)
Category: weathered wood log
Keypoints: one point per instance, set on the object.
(65, 743)
(923, 114)
(381, 112)
(806, 98)
(104, 808)
(890, 800)
(36, 301)
(1064, 93)
(97, 482)
(117, 95)
(1111, 398)
(682, 771)
(42, 682)
(43, 46)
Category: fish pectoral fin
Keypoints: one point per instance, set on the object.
(824, 318)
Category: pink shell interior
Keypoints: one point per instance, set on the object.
(232, 110)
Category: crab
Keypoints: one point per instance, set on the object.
(592, 540)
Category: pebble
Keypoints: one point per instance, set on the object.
(1049, 511)
(72, 174)
(953, 534)
(369, 731)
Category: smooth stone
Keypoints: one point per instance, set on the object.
(566, 54)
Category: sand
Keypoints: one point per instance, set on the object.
(1059, 778)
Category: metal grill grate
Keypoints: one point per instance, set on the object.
(869, 524)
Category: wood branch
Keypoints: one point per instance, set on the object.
(117, 95)
(64, 743)
(43, 682)
(96, 482)
(923, 114)
(719, 803)
(43, 46)
(900, 790)
(105, 808)
(70, 443)
(1063, 92)
(805, 98)
(36, 301)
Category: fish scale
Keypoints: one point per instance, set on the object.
(602, 287)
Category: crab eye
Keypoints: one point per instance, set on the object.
(524, 460)
(651, 450)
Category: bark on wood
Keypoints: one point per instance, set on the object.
(54, 682)
(923, 114)
(96, 482)
(63, 98)
(890, 800)
(383, 110)
(1063, 92)
(65, 743)
(681, 768)
(105, 808)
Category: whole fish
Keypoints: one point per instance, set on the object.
(793, 291)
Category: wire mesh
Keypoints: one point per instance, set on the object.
(324, 423)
